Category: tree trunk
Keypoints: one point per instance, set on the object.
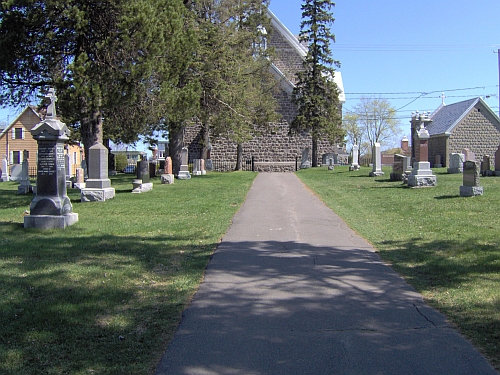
(239, 156)
(314, 152)
(176, 139)
(205, 141)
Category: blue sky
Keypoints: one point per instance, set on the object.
(411, 51)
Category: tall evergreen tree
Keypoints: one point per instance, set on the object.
(113, 59)
(316, 94)
(233, 68)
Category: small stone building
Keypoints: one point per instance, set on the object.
(468, 124)
(274, 145)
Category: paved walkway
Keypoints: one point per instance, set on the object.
(292, 290)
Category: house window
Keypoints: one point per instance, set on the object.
(15, 157)
(17, 133)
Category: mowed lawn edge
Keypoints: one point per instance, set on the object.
(105, 295)
(444, 245)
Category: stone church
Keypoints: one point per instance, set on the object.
(276, 150)
(468, 124)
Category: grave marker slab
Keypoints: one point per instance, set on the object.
(184, 170)
(471, 187)
(377, 161)
(98, 185)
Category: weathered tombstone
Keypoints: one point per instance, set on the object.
(355, 158)
(196, 167)
(397, 168)
(167, 177)
(456, 163)
(486, 166)
(68, 166)
(51, 207)
(305, 163)
(142, 183)
(325, 158)
(377, 161)
(438, 163)
(209, 166)
(5, 170)
(152, 169)
(111, 164)
(83, 165)
(202, 166)
(471, 187)
(16, 172)
(468, 154)
(25, 184)
(421, 174)
(98, 185)
(184, 170)
(330, 164)
(79, 178)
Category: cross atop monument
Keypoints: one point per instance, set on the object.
(51, 109)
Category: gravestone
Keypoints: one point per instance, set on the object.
(68, 167)
(5, 170)
(98, 185)
(438, 163)
(421, 174)
(111, 164)
(196, 167)
(79, 178)
(305, 163)
(25, 184)
(202, 166)
(83, 165)
(51, 207)
(468, 154)
(377, 161)
(325, 158)
(486, 166)
(471, 187)
(330, 164)
(142, 183)
(398, 168)
(497, 162)
(456, 163)
(355, 158)
(184, 170)
(16, 172)
(167, 177)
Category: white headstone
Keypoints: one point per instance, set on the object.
(377, 161)
(5, 170)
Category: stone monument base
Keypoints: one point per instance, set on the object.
(140, 187)
(167, 179)
(50, 221)
(183, 175)
(97, 195)
(471, 191)
(24, 189)
(454, 170)
(376, 173)
(421, 181)
(354, 167)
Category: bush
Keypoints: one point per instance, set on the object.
(120, 162)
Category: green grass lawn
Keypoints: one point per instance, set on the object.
(446, 246)
(105, 295)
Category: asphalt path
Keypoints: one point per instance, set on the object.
(291, 289)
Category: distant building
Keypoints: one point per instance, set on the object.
(468, 124)
(275, 144)
(16, 138)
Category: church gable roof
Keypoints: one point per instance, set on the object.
(446, 117)
(301, 50)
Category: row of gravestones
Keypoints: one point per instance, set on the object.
(51, 207)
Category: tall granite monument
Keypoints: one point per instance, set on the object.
(51, 207)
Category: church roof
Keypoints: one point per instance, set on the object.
(302, 51)
(446, 117)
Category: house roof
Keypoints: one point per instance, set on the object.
(28, 108)
(446, 117)
(302, 51)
